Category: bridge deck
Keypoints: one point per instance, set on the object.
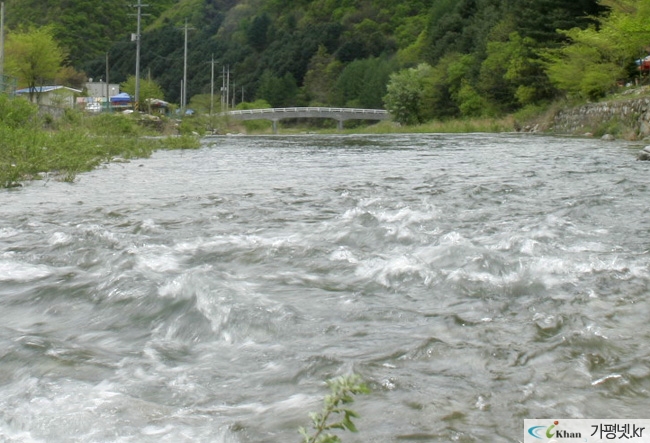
(340, 114)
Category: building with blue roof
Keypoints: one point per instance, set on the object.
(58, 96)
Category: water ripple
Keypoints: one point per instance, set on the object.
(472, 280)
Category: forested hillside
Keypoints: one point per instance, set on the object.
(423, 59)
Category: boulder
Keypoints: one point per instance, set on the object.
(644, 154)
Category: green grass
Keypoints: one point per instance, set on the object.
(456, 126)
(31, 146)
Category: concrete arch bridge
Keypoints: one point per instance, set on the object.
(338, 114)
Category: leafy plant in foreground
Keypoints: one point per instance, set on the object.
(335, 413)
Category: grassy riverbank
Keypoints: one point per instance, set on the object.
(537, 119)
(505, 124)
(458, 126)
(33, 146)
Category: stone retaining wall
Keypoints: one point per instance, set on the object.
(631, 116)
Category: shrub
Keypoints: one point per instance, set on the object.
(15, 113)
(335, 413)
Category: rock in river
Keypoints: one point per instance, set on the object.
(644, 154)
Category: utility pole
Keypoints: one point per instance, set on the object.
(223, 86)
(212, 87)
(2, 47)
(228, 87)
(184, 99)
(137, 54)
(184, 91)
(108, 87)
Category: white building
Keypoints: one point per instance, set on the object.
(99, 89)
(57, 96)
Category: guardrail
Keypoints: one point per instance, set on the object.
(308, 109)
(338, 114)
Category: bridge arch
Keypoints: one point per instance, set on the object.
(339, 114)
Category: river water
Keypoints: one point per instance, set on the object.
(472, 280)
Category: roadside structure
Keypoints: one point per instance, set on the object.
(56, 96)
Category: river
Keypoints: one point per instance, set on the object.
(472, 281)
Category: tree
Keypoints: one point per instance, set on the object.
(598, 57)
(405, 95)
(85, 28)
(458, 26)
(470, 102)
(540, 19)
(69, 76)
(512, 74)
(442, 88)
(278, 91)
(321, 76)
(580, 71)
(350, 84)
(363, 82)
(34, 57)
(258, 31)
(149, 89)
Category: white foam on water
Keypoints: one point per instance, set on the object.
(343, 254)
(353, 213)
(552, 271)
(8, 435)
(488, 278)
(59, 238)
(385, 271)
(90, 414)
(186, 285)
(149, 225)
(454, 238)
(406, 216)
(522, 244)
(157, 259)
(100, 232)
(9, 232)
(225, 316)
(23, 272)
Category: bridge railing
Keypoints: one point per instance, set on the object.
(307, 109)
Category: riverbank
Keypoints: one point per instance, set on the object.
(34, 146)
(624, 116)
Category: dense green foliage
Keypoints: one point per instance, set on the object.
(86, 28)
(33, 56)
(149, 90)
(469, 58)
